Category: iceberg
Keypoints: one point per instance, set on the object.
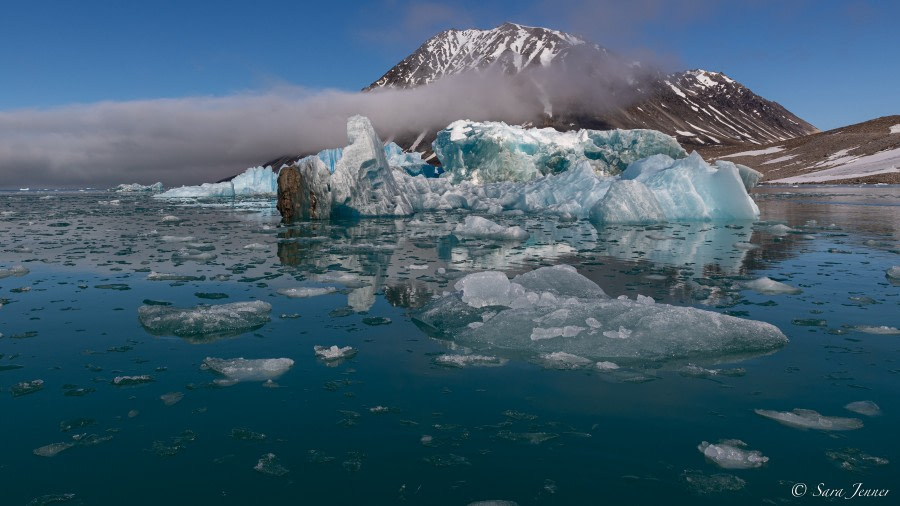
(638, 176)
(557, 310)
(205, 323)
(487, 152)
(253, 181)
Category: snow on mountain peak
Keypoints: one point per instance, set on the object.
(510, 45)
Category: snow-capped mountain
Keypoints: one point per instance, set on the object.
(699, 107)
(513, 47)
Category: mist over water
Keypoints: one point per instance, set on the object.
(199, 139)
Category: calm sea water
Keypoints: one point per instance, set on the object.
(390, 425)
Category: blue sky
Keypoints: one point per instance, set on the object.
(96, 93)
(831, 62)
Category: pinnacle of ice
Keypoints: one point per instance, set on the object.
(363, 183)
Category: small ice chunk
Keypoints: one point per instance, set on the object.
(494, 502)
(855, 460)
(867, 408)
(563, 360)
(880, 330)
(161, 276)
(893, 272)
(622, 333)
(712, 484)
(52, 450)
(477, 227)
(334, 352)
(809, 419)
(171, 398)
(204, 322)
(606, 366)
(732, 454)
(240, 369)
(539, 333)
(269, 464)
(121, 381)
(16, 270)
(769, 286)
(26, 387)
(490, 288)
(469, 361)
(306, 292)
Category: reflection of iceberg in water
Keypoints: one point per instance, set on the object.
(692, 245)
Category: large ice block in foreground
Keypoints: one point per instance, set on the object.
(485, 152)
(253, 181)
(556, 309)
(205, 323)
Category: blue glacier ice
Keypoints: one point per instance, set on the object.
(557, 310)
(253, 181)
(487, 152)
(611, 177)
(412, 162)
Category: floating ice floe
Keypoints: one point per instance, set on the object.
(16, 271)
(269, 464)
(121, 381)
(253, 181)
(26, 387)
(306, 292)
(893, 273)
(555, 309)
(878, 329)
(477, 227)
(704, 484)
(855, 460)
(469, 361)
(334, 352)
(809, 419)
(240, 369)
(205, 322)
(769, 286)
(563, 360)
(867, 408)
(485, 152)
(732, 454)
(138, 188)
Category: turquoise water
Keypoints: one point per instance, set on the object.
(390, 424)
